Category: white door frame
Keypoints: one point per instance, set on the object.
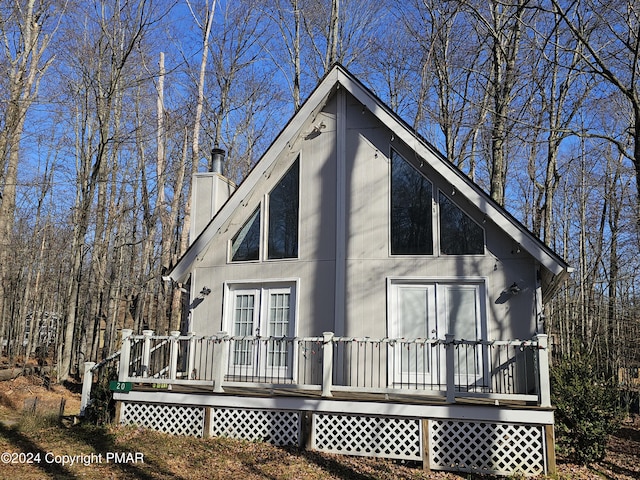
(257, 364)
(438, 322)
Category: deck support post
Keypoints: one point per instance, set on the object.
(118, 415)
(191, 362)
(173, 354)
(450, 366)
(125, 354)
(87, 382)
(426, 461)
(146, 351)
(550, 445)
(327, 363)
(544, 386)
(220, 355)
(206, 428)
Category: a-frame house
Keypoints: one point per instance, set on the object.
(356, 293)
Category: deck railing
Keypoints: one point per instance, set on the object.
(449, 367)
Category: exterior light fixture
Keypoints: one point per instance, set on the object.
(514, 289)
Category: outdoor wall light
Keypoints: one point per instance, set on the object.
(514, 289)
(318, 128)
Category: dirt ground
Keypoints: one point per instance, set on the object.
(33, 394)
(190, 458)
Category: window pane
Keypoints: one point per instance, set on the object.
(414, 305)
(463, 324)
(415, 323)
(411, 228)
(279, 315)
(459, 235)
(277, 353)
(243, 326)
(461, 312)
(246, 244)
(283, 215)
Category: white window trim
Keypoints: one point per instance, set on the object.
(436, 239)
(264, 207)
(230, 260)
(232, 285)
(262, 286)
(266, 203)
(434, 212)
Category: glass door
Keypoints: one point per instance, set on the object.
(265, 315)
(462, 316)
(413, 362)
(430, 310)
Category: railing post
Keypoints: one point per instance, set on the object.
(87, 382)
(450, 368)
(544, 387)
(173, 354)
(191, 362)
(146, 352)
(327, 364)
(125, 354)
(220, 355)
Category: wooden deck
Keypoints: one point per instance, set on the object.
(403, 398)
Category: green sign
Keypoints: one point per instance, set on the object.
(116, 386)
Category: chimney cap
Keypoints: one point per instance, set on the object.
(217, 159)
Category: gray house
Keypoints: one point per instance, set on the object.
(357, 294)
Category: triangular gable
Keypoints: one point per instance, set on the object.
(338, 77)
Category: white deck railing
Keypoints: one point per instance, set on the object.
(501, 370)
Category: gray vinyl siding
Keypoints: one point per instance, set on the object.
(368, 262)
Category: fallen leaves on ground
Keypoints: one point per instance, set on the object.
(187, 458)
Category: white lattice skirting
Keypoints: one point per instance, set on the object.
(454, 445)
(386, 437)
(173, 419)
(493, 448)
(274, 426)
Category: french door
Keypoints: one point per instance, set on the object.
(260, 320)
(430, 310)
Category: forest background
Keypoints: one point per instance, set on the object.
(107, 108)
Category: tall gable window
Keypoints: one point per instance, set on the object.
(411, 206)
(459, 234)
(246, 244)
(283, 215)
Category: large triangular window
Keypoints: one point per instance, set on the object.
(246, 244)
(411, 206)
(459, 234)
(283, 215)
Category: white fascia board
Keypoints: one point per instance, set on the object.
(483, 413)
(184, 266)
(519, 234)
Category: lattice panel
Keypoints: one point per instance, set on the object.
(493, 448)
(367, 436)
(173, 419)
(274, 426)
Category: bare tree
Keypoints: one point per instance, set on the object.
(451, 89)
(608, 34)
(502, 24)
(25, 44)
(286, 15)
(559, 90)
(101, 79)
